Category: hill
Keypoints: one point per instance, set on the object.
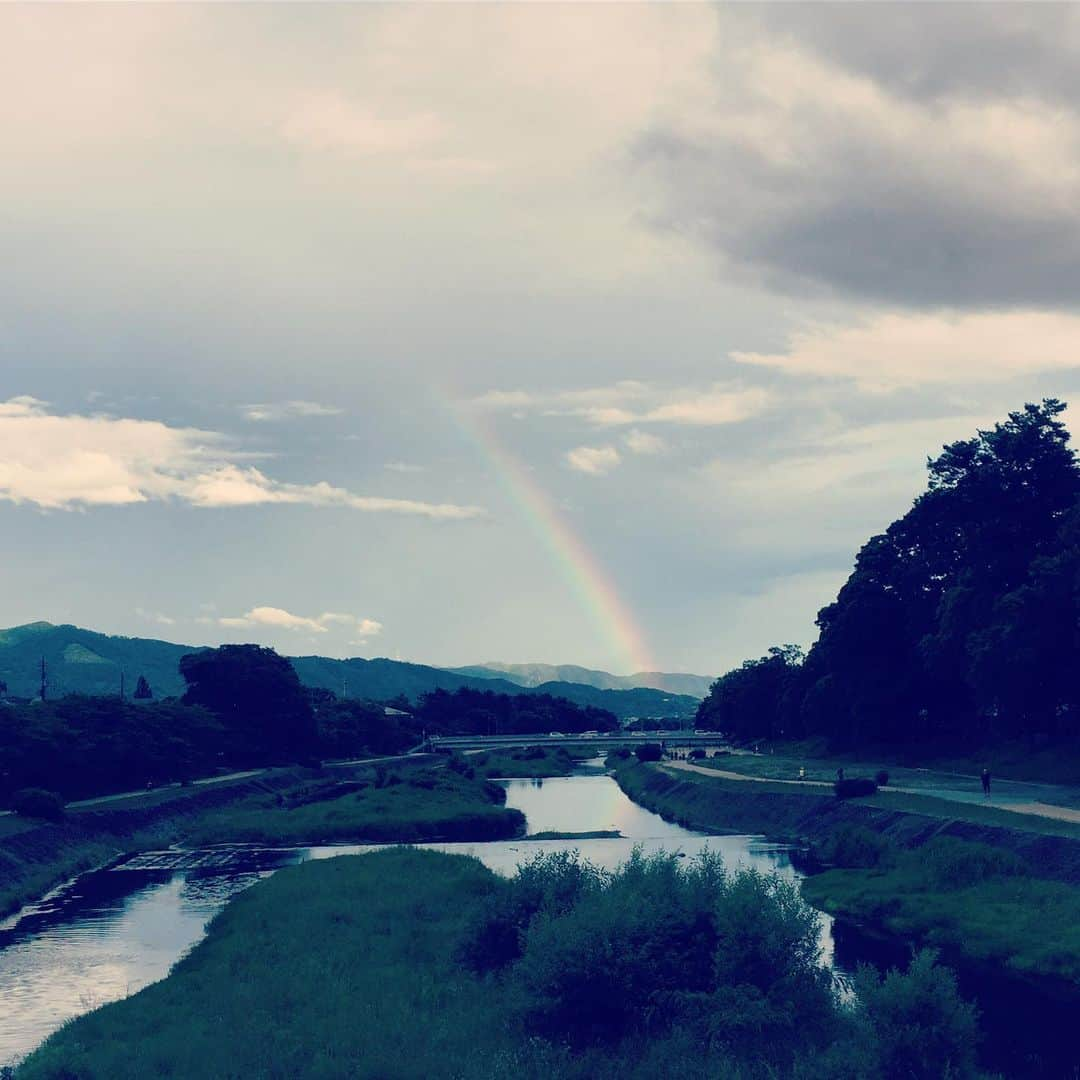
(85, 662)
(537, 674)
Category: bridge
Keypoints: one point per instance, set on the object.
(604, 740)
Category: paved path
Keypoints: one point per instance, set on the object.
(1019, 797)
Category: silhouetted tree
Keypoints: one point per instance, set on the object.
(142, 690)
(258, 697)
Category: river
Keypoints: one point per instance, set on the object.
(110, 932)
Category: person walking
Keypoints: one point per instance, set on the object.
(986, 781)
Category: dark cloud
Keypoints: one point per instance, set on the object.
(920, 156)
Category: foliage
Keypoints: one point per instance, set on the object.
(476, 712)
(142, 690)
(425, 805)
(967, 897)
(752, 699)
(915, 1023)
(277, 989)
(532, 761)
(83, 746)
(649, 752)
(854, 787)
(38, 803)
(257, 696)
(853, 846)
(961, 620)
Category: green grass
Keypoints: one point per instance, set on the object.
(339, 968)
(527, 763)
(951, 894)
(426, 805)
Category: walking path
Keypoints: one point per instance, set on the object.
(1021, 796)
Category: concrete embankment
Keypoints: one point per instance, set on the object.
(716, 805)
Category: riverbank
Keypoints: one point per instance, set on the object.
(278, 806)
(398, 964)
(36, 856)
(411, 807)
(922, 877)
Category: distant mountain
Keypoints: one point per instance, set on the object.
(535, 674)
(86, 662)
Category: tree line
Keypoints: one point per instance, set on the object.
(959, 623)
(244, 706)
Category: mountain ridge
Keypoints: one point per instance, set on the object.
(88, 662)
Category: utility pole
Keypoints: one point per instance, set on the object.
(44, 682)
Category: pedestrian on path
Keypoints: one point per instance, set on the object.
(986, 781)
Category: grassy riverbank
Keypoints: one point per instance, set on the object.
(974, 887)
(532, 762)
(406, 804)
(969, 899)
(410, 963)
(420, 805)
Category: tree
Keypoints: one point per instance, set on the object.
(898, 644)
(752, 700)
(142, 690)
(258, 697)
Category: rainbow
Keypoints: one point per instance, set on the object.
(588, 580)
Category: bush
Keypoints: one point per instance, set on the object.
(658, 945)
(955, 864)
(853, 788)
(853, 847)
(915, 1024)
(881, 778)
(697, 754)
(38, 803)
(649, 752)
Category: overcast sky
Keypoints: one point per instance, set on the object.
(594, 334)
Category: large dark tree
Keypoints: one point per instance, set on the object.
(258, 697)
(961, 619)
(753, 700)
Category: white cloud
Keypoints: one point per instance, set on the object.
(593, 460)
(644, 442)
(155, 617)
(403, 467)
(280, 619)
(284, 409)
(900, 349)
(60, 462)
(633, 402)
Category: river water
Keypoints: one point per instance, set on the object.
(111, 932)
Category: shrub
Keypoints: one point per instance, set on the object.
(697, 754)
(649, 752)
(853, 788)
(659, 945)
(915, 1024)
(854, 847)
(38, 803)
(954, 864)
(881, 778)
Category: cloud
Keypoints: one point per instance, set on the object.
(632, 402)
(155, 617)
(284, 409)
(59, 462)
(280, 619)
(644, 442)
(903, 349)
(593, 460)
(816, 160)
(403, 467)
